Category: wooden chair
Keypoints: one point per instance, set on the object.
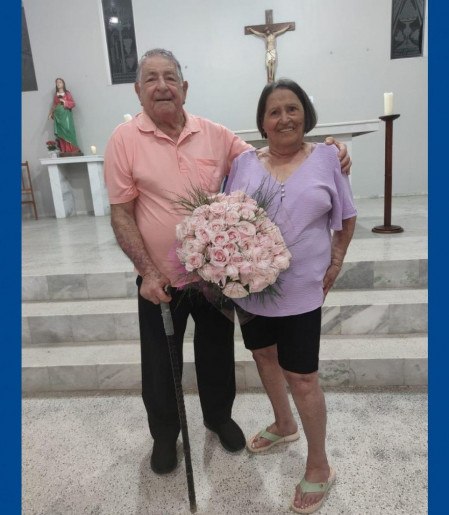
(27, 188)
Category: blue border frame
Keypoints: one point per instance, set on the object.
(10, 209)
(10, 279)
(438, 257)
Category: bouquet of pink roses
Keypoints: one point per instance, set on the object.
(229, 241)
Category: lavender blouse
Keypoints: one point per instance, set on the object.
(310, 203)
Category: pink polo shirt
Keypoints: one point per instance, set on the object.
(143, 163)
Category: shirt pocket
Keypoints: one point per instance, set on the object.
(210, 174)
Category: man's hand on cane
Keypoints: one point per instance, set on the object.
(154, 286)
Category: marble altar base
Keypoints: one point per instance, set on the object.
(63, 197)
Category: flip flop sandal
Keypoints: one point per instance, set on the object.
(274, 439)
(313, 488)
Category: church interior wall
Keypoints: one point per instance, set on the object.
(339, 52)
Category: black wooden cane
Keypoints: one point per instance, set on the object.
(170, 333)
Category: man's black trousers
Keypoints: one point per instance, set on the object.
(214, 361)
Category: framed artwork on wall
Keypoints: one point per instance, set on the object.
(120, 40)
(407, 22)
(28, 75)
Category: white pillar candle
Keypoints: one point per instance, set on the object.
(127, 117)
(388, 103)
(93, 149)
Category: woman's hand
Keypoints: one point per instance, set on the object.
(345, 160)
(340, 242)
(329, 277)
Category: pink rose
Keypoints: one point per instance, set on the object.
(265, 241)
(206, 272)
(246, 228)
(187, 244)
(220, 238)
(218, 256)
(275, 234)
(216, 225)
(231, 247)
(219, 197)
(238, 196)
(212, 274)
(259, 253)
(198, 221)
(247, 214)
(254, 253)
(184, 229)
(217, 209)
(232, 216)
(219, 276)
(198, 246)
(190, 245)
(202, 210)
(271, 275)
(202, 235)
(246, 267)
(264, 224)
(257, 283)
(262, 265)
(246, 246)
(233, 235)
(281, 261)
(232, 272)
(250, 202)
(234, 290)
(194, 261)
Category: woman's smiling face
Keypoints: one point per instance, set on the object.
(283, 120)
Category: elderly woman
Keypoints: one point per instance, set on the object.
(311, 202)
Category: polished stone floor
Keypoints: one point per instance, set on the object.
(89, 454)
(48, 244)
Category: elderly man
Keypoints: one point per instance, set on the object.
(162, 152)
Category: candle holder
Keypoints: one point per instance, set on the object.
(387, 228)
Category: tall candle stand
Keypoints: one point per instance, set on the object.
(387, 228)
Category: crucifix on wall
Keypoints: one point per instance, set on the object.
(270, 31)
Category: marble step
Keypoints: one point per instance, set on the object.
(345, 312)
(383, 273)
(115, 365)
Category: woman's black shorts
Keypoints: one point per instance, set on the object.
(297, 338)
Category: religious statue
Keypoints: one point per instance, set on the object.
(270, 55)
(61, 114)
(270, 31)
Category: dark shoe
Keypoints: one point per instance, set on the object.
(164, 458)
(230, 434)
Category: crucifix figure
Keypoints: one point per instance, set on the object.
(269, 32)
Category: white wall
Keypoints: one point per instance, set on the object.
(339, 52)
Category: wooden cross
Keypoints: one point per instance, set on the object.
(269, 32)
